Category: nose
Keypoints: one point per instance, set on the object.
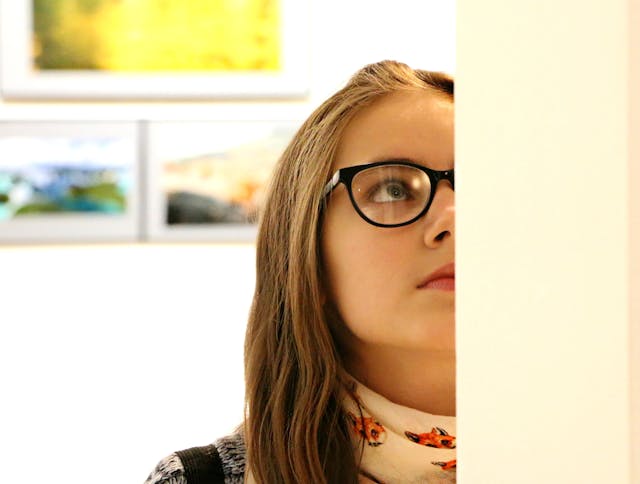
(439, 223)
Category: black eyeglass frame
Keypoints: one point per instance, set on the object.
(346, 175)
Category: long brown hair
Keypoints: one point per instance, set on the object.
(295, 428)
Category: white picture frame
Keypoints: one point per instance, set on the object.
(20, 81)
(232, 152)
(34, 154)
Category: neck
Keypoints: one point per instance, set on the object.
(425, 381)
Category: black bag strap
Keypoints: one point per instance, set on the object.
(202, 465)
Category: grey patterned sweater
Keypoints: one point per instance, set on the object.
(230, 449)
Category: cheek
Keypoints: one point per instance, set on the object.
(362, 282)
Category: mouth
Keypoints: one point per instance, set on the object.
(443, 279)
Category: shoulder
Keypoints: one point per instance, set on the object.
(168, 471)
(232, 452)
(222, 462)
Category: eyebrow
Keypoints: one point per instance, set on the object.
(409, 160)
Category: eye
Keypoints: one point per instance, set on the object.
(374, 433)
(389, 191)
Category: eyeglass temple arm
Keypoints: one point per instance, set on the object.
(331, 184)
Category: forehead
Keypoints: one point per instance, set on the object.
(416, 125)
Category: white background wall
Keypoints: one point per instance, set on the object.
(547, 162)
(112, 357)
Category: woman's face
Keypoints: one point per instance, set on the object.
(375, 274)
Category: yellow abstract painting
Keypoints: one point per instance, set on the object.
(157, 35)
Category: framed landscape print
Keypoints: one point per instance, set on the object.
(206, 179)
(151, 49)
(69, 182)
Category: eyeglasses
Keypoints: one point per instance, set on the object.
(390, 193)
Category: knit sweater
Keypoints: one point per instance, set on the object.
(181, 467)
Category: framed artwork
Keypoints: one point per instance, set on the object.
(149, 49)
(206, 179)
(69, 182)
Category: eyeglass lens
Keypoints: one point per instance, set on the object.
(391, 194)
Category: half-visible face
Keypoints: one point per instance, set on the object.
(376, 275)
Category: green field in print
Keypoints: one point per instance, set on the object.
(157, 35)
(41, 176)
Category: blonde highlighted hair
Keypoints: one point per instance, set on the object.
(295, 428)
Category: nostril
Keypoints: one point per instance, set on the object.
(442, 235)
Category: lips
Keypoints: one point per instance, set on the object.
(442, 278)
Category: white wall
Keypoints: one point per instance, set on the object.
(546, 140)
(113, 356)
(634, 232)
(116, 356)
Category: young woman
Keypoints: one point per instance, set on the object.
(349, 352)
